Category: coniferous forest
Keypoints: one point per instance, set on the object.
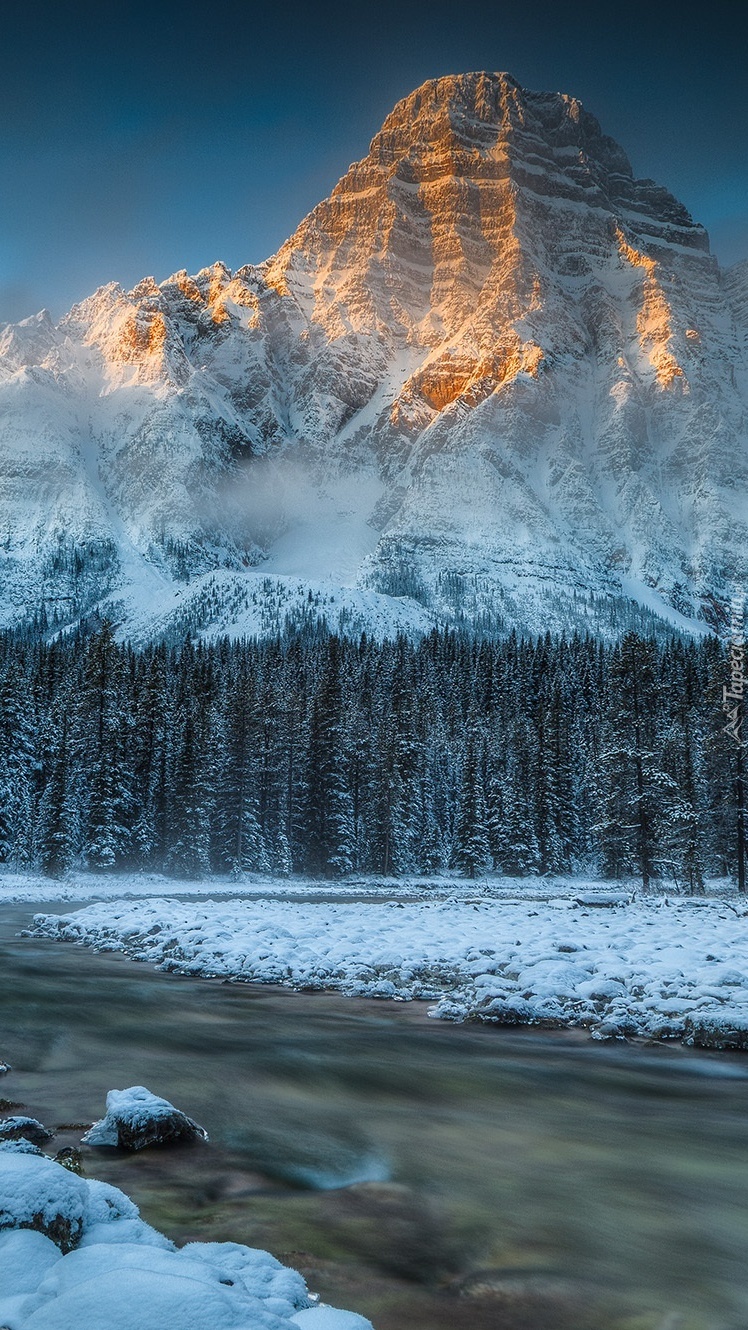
(321, 755)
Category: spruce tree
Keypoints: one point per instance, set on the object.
(472, 854)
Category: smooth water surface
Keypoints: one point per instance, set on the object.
(427, 1175)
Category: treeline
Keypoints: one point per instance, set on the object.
(315, 754)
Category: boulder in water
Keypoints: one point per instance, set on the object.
(71, 1158)
(136, 1118)
(24, 1129)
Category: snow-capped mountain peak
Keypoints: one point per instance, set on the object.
(492, 377)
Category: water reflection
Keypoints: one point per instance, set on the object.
(485, 1178)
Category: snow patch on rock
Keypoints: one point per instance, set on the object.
(136, 1118)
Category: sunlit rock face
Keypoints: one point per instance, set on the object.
(493, 373)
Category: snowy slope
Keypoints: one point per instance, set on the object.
(493, 375)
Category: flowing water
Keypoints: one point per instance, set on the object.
(427, 1175)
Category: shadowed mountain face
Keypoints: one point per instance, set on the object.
(493, 377)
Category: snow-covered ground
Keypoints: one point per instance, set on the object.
(656, 966)
(75, 1255)
(84, 886)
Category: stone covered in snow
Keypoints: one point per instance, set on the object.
(24, 1129)
(20, 1146)
(136, 1118)
(36, 1193)
(330, 1318)
(164, 1290)
(25, 1258)
(256, 1271)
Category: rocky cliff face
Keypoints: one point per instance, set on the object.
(493, 376)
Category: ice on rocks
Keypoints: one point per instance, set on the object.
(136, 1118)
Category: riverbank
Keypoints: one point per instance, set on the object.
(79, 885)
(75, 1253)
(657, 967)
(431, 1176)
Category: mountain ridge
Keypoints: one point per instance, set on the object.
(492, 379)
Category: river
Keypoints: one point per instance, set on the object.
(427, 1175)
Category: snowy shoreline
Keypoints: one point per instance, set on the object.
(75, 1255)
(658, 967)
(17, 887)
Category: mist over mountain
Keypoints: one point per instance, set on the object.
(491, 379)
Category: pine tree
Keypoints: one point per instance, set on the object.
(472, 854)
(58, 825)
(189, 824)
(150, 759)
(18, 768)
(331, 842)
(637, 784)
(99, 721)
(511, 816)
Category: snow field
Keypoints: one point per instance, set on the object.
(83, 885)
(654, 967)
(122, 1274)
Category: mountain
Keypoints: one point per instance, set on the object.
(492, 378)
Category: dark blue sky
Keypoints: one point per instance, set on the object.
(139, 138)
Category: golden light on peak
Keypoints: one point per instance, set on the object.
(653, 322)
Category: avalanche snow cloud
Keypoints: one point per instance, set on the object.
(492, 377)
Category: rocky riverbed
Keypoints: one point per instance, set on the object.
(431, 1177)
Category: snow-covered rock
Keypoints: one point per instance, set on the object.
(330, 1318)
(25, 1258)
(136, 1118)
(38, 1194)
(26, 1129)
(20, 1146)
(492, 375)
(163, 1289)
(283, 1290)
